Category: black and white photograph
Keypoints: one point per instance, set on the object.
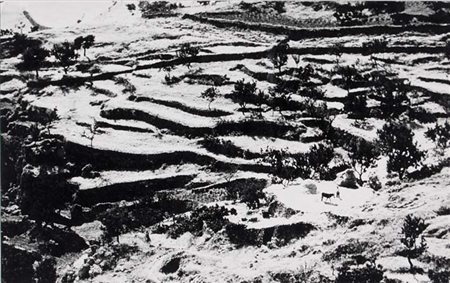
(223, 141)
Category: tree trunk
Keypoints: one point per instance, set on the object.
(410, 263)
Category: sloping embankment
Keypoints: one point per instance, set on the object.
(295, 33)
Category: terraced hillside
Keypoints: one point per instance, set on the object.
(197, 144)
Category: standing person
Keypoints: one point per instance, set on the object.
(338, 193)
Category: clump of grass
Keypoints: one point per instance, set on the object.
(443, 210)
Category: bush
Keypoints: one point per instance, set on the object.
(241, 236)
(152, 9)
(20, 42)
(45, 270)
(244, 93)
(278, 54)
(443, 210)
(421, 115)
(353, 247)
(65, 54)
(374, 46)
(350, 77)
(363, 155)
(34, 58)
(396, 141)
(226, 148)
(213, 217)
(287, 166)
(210, 94)
(369, 273)
(440, 134)
(356, 104)
(319, 157)
(319, 110)
(84, 42)
(392, 94)
(411, 230)
(187, 51)
(350, 15)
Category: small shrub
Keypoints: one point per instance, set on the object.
(244, 92)
(187, 51)
(374, 46)
(210, 94)
(240, 235)
(411, 230)
(213, 217)
(20, 42)
(65, 54)
(396, 140)
(287, 166)
(440, 134)
(356, 104)
(421, 115)
(363, 154)
(33, 58)
(369, 273)
(353, 247)
(155, 8)
(350, 14)
(131, 7)
(392, 94)
(45, 270)
(443, 210)
(441, 276)
(319, 157)
(278, 55)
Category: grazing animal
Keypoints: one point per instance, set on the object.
(327, 196)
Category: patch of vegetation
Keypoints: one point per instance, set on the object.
(210, 94)
(443, 210)
(244, 92)
(440, 134)
(350, 14)
(34, 58)
(378, 45)
(396, 141)
(84, 42)
(353, 247)
(363, 155)
(412, 228)
(187, 51)
(227, 148)
(278, 54)
(65, 54)
(287, 166)
(156, 8)
(392, 94)
(118, 219)
(213, 218)
(367, 273)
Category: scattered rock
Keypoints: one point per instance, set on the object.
(87, 171)
(374, 183)
(278, 209)
(171, 266)
(349, 180)
(312, 188)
